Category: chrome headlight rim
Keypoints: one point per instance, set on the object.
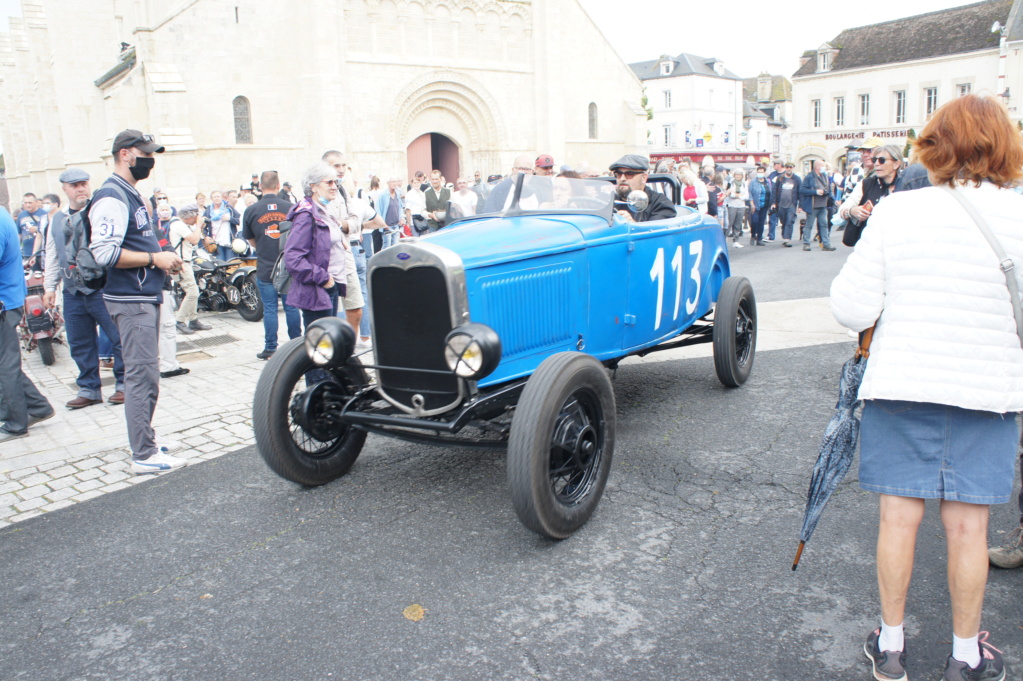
(472, 351)
(329, 342)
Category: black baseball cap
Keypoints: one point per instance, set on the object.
(136, 138)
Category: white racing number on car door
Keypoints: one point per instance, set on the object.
(696, 252)
(657, 276)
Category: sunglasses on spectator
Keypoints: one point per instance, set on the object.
(880, 160)
(625, 173)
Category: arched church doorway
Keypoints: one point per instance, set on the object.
(433, 150)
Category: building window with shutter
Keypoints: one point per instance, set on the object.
(900, 107)
(864, 109)
(815, 106)
(593, 120)
(242, 121)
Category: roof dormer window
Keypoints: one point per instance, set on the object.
(824, 54)
(667, 66)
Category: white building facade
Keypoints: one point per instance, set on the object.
(851, 88)
(235, 88)
(697, 107)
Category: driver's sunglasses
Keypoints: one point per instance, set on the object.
(879, 160)
(629, 174)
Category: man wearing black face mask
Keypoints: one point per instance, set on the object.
(125, 241)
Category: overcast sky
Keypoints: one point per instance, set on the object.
(749, 36)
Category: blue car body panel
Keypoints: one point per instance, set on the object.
(558, 282)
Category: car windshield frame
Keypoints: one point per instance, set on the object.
(576, 196)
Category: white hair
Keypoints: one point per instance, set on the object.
(315, 174)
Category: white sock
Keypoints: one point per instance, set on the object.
(891, 638)
(966, 650)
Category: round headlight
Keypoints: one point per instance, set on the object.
(472, 351)
(329, 342)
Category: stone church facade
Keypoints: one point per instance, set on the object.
(233, 87)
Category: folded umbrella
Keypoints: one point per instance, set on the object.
(839, 443)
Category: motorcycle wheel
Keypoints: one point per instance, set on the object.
(46, 350)
(251, 305)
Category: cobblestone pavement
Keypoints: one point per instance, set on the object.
(81, 454)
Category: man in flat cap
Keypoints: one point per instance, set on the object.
(630, 172)
(125, 241)
(83, 307)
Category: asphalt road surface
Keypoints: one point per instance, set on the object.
(225, 571)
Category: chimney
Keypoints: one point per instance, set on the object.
(764, 86)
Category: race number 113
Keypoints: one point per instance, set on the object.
(657, 276)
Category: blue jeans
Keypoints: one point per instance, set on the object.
(787, 217)
(106, 346)
(359, 251)
(81, 316)
(268, 294)
(772, 223)
(820, 216)
(225, 253)
(310, 316)
(756, 223)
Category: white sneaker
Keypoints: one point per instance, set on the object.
(362, 346)
(168, 446)
(157, 463)
(737, 244)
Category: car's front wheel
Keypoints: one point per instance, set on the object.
(561, 443)
(295, 421)
(735, 331)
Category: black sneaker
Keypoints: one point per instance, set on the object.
(180, 371)
(991, 667)
(266, 354)
(888, 665)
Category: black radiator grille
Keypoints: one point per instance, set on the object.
(411, 318)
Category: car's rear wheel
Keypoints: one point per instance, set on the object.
(561, 444)
(735, 331)
(296, 426)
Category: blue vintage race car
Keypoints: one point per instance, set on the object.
(499, 331)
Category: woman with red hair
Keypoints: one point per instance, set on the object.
(945, 376)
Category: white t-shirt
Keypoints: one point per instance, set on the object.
(466, 200)
(178, 230)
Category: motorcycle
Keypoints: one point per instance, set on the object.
(39, 327)
(226, 284)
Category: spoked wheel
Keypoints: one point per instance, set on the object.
(561, 444)
(735, 331)
(250, 307)
(297, 430)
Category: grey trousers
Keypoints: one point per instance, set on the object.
(139, 326)
(735, 217)
(19, 397)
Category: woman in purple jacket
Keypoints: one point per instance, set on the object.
(315, 250)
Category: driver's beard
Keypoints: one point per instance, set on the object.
(623, 191)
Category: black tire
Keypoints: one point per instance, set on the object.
(45, 346)
(251, 305)
(735, 331)
(286, 446)
(561, 444)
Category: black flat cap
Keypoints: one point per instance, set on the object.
(631, 162)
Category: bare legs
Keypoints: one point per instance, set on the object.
(966, 536)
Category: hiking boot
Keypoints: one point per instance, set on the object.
(106, 364)
(991, 667)
(806, 247)
(265, 354)
(889, 665)
(827, 248)
(1010, 554)
(80, 402)
(183, 329)
(196, 325)
(117, 398)
(157, 463)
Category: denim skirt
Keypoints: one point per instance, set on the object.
(934, 451)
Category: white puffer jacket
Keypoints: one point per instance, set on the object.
(946, 333)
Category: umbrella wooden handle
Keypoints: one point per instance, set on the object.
(799, 554)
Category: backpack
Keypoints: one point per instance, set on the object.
(84, 271)
(280, 276)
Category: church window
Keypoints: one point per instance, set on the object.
(593, 120)
(242, 121)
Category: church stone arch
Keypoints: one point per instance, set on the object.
(458, 104)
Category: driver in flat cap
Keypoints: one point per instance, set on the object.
(630, 172)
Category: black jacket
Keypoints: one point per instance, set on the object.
(660, 208)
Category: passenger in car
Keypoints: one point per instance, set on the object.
(631, 172)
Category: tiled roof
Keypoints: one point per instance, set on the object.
(685, 65)
(944, 32)
(781, 89)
